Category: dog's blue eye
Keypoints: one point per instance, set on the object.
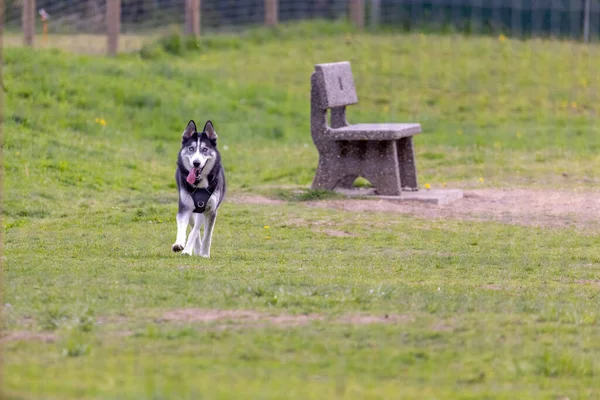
(191, 148)
(205, 150)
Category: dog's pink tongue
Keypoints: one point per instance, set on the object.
(191, 178)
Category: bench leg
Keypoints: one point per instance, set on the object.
(406, 162)
(381, 168)
(328, 179)
(327, 176)
(339, 165)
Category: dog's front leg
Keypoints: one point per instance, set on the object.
(193, 237)
(198, 221)
(209, 224)
(183, 218)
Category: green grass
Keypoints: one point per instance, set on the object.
(79, 43)
(485, 310)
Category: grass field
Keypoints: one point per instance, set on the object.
(300, 299)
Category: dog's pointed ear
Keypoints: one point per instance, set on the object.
(190, 129)
(209, 129)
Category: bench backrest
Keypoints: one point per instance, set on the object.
(336, 84)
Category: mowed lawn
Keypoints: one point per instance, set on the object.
(297, 301)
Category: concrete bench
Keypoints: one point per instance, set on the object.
(381, 153)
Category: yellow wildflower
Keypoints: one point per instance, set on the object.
(266, 227)
(481, 180)
(502, 38)
(427, 186)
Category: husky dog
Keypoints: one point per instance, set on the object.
(201, 183)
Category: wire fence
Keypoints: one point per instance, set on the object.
(572, 19)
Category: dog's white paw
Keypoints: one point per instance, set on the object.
(205, 255)
(177, 247)
(186, 252)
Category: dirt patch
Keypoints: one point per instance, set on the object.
(242, 317)
(293, 320)
(362, 319)
(545, 208)
(223, 319)
(492, 287)
(304, 223)
(254, 318)
(588, 282)
(208, 315)
(25, 336)
(336, 233)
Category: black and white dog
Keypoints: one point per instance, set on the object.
(201, 183)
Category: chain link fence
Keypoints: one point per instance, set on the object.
(572, 19)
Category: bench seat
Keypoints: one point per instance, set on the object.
(373, 131)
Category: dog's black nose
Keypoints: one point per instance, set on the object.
(196, 164)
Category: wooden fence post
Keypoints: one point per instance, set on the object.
(192, 17)
(28, 21)
(271, 13)
(113, 25)
(357, 13)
